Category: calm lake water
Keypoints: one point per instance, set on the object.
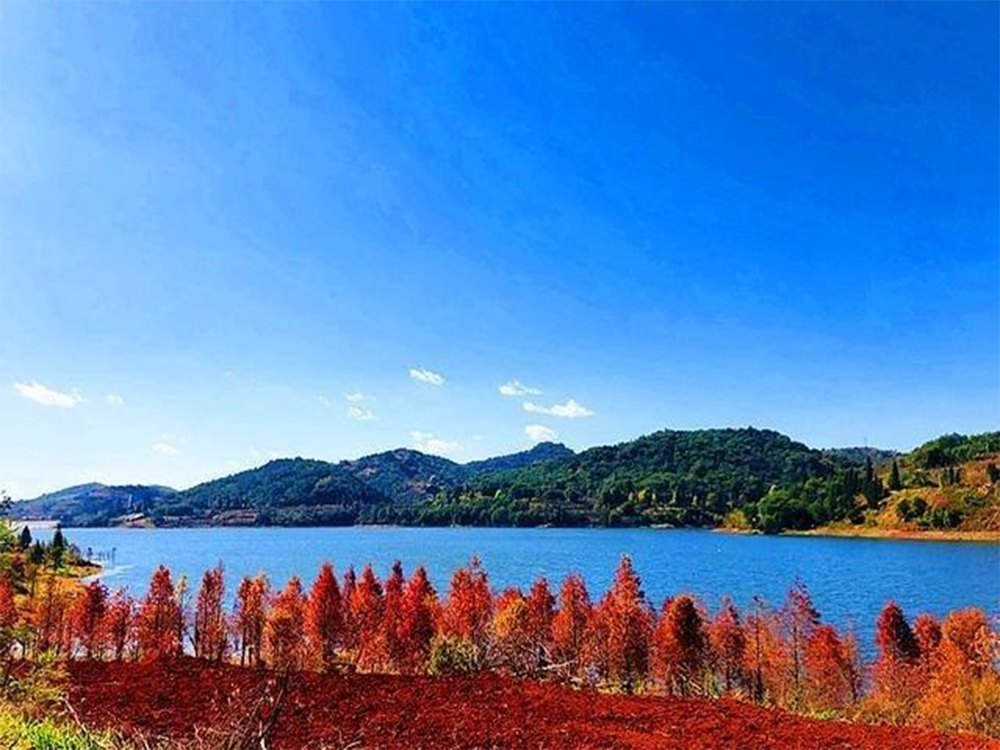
(850, 579)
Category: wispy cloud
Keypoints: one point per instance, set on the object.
(515, 387)
(570, 410)
(355, 410)
(115, 399)
(425, 442)
(426, 376)
(325, 401)
(40, 394)
(164, 448)
(538, 433)
(360, 414)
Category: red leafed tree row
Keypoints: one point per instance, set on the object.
(941, 673)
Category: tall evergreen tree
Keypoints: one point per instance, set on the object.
(57, 548)
(895, 483)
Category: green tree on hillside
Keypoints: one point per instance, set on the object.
(58, 548)
(894, 481)
(871, 486)
(8, 540)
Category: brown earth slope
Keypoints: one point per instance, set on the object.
(184, 698)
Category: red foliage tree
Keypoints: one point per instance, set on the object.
(966, 634)
(927, 631)
(160, 621)
(622, 632)
(324, 618)
(512, 649)
(897, 677)
(392, 619)
(367, 605)
(346, 595)
(469, 607)
(417, 629)
(571, 623)
(284, 632)
(522, 628)
(87, 618)
(833, 674)
(680, 648)
(250, 617)
(799, 619)
(963, 691)
(47, 617)
(9, 616)
(119, 621)
(211, 639)
(728, 645)
(894, 636)
(8, 609)
(768, 663)
(540, 604)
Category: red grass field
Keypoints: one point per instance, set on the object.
(183, 698)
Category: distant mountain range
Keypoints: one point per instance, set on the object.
(745, 477)
(289, 491)
(93, 504)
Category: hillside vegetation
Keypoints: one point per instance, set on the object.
(285, 492)
(747, 479)
(93, 504)
(947, 484)
(668, 477)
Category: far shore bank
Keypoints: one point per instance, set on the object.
(875, 532)
(857, 532)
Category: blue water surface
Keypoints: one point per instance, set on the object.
(850, 579)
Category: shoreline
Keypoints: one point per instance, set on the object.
(875, 532)
(857, 532)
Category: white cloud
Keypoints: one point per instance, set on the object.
(115, 399)
(40, 394)
(165, 449)
(426, 376)
(360, 413)
(538, 433)
(325, 401)
(570, 410)
(515, 387)
(354, 398)
(425, 442)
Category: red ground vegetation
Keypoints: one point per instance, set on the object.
(942, 674)
(181, 698)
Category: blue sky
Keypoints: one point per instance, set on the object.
(232, 232)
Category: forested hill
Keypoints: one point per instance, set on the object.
(93, 504)
(284, 492)
(742, 478)
(949, 484)
(408, 476)
(541, 453)
(668, 477)
(375, 489)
